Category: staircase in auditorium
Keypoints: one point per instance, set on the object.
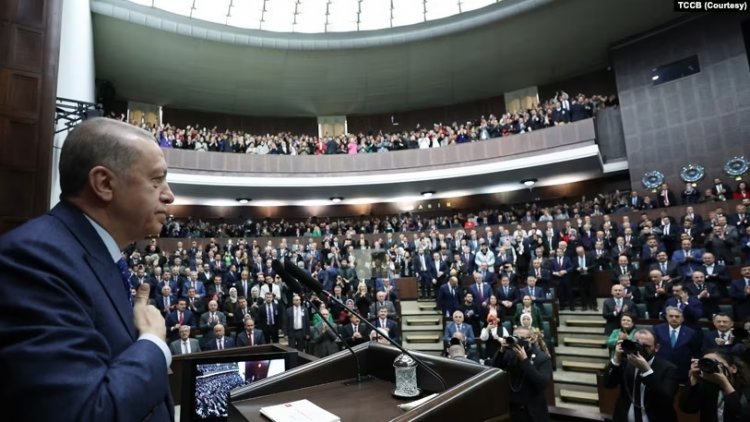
(421, 326)
(580, 354)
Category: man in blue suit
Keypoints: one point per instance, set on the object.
(677, 343)
(447, 297)
(690, 307)
(84, 349)
(480, 290)
(561, 266)
(179, 317)
(458, 326)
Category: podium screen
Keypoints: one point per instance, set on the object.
(213, 381)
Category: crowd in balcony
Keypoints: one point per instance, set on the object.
(559, 110)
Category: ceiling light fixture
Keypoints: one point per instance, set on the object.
(243, 200)
(529, 182)
(427, 193)
(336, 199)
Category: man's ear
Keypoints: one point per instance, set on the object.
(102, 182)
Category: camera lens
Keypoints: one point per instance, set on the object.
(708, 366)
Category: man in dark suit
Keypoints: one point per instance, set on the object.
(614, 307)
(426, 273)
(537, 293)
(541, 274)
(740, 294)
(647, 382)
(715, 273)
(691, 307)
(297, 324)
(687, 258)
(665, 197)
(179, 317)
(707, 293)
(527, 399)
(679, 343)
(721, 336)
(670, 271)
(635, 202)
(656, 292)
(561, 269)
(220, 341)
(623, 267)
(269, 318)
(584, 265)
(385, 327)
(448, 297)
(467, 259)
(84, 348)
(481, 291)
(184, 344)
(355, 332)
(507, 296)
(250, 336)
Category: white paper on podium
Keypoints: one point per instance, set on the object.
(298, 411)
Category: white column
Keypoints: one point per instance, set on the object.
(75, 76)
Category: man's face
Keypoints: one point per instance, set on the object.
(708, 259)
(674, 318)
(249, 325)
(617, 291)
(458, 317)
(661, 257)
(686, 245)
(219, 331)
(296, 300)
(383, 313)
(722, 323)
(531, 281)
(623, 261)
(181, 305)
(469, 299)
(244, 275)
(166, 291)
(698, 277)
(184, 332)
(655, 276)
(745, 271)
(212, 306)
(648, 343)
(145, 184)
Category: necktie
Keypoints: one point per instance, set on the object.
(451, 289)
(252, 338)
(185, 347)
(125, 274)
(269, 314)
(559, 261)
(220, 344)
(663, 268)
(673, 338)
(180, 318)
(506, 291)
(531, 292)
(481, 293)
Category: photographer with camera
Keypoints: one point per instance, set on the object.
(719, 388)
(529, 370)
(647, 383)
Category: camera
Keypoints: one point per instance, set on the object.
(511, 341)
(708, 366)
(630, 347)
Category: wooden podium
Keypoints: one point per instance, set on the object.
(328, 383)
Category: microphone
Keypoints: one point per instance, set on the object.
(303, 277)
(294, 285)
(316, 287)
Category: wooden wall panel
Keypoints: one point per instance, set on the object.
(29, 56)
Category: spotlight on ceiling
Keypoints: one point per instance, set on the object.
(243, 200)
(528, 182)
(427, 193)
(336, 199)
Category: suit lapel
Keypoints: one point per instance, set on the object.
(99, 260)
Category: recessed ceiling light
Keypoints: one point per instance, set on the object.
(655, 78)
(428, 193)
(529, 182)
(336, 199)
(243, 200)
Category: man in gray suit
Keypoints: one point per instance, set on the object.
(185, 344)
(381, 302)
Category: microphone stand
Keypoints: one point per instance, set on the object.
(390, 340)
(314, 309)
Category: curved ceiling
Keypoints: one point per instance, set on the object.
(555, 40)
(316, 16)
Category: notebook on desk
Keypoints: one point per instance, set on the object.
(298, 411)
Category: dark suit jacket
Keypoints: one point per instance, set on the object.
(740, 299)
(94, 363)
(655, 302)
(536, 373)
(211, 344)
(244, 340)
(612, 319)
(513, 296)
(711, 303)
(703, 397)
(661, 386)
(171, 320)
(686, 348)
(262, 321)
(347, 333)
(446, 302)
(289, 321)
